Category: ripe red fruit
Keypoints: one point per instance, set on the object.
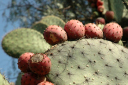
(125, 32)
(99, 3)
(55, 34)
(40, 64)
(45, 83)
(93, 31)
(100, 20)
(31, 79)
(100, 8)
(109, 15)
(113, 32)
(75, 29)
(23, 62)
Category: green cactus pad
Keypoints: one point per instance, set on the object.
(88, 62)
(18, 81)
(53, 20)
(117, 6)
(3, 80)
(24, 40)
(39, 26)
(106, 6)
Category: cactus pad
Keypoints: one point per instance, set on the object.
(39, 26)
(53, 20)
(3, 80)
(117, 6)
(24, 40)
(18, 81)
(88, 62)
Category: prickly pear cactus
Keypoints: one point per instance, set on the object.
(3, 80)
(24, 40)
(88, 62)
(53, 20)
(18, 81)
(39, 26)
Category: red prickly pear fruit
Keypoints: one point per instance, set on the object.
(55, 34)
(100, 8)
(40, 64)
(45, 83)
(113, 32)
(93, 31)
(75, 29)
(99, 3)
(31, 79)
(23, 62)
(109, 15)
(100, 20)
(125, 33)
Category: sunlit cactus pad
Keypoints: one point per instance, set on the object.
(88, 62)
(24, 40)
(3, 80)
(53, 20)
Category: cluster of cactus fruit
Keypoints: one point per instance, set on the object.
(35, 67)
(97, 4)
(74, 29)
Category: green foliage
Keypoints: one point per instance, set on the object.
(53, 20)
(3, 80)
(24, 40)
(27, 12)
(88, 62)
